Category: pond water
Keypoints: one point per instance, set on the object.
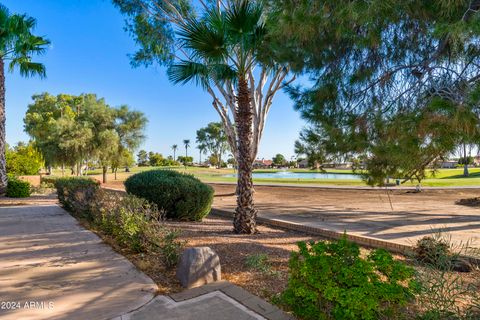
(301, 175)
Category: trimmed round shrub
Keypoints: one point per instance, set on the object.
(17, 188)
(180, 196)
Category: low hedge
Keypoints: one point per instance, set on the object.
(17, 188)
(133, 222)
(49, 180)
(180, 196)
(76, 193)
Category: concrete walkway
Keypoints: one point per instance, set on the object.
(52, 268)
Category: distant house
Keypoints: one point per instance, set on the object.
(262, 164)
(448, 164)
(303, 163)
(476, 160)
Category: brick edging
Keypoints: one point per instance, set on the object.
(329, 234)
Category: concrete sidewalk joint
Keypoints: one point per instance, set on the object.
(216, 301)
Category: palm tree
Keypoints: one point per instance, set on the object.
(17, 46)
(201, 148)
(223, 46)
(174, 148)
(186, 143)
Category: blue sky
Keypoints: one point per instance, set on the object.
(89, 55)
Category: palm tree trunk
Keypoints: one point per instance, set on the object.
(104, 172)
(3, 161)
(465, 161)
(174, 159)
(245, 213)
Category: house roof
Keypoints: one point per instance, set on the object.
(264, 162)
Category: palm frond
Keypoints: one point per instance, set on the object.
(204, 41)
(243, 18)
(223, 72)
(18, 44)
(186, 71)
(27, 68)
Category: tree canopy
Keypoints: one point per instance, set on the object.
(23, 159)
(394, 83)
(73, 130)
(213, 139)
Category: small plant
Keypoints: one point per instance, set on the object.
(17, 188)
(167, 242)
(444, 293)
(260, 262)
(329, 280)
(433, 251)
(180, 196)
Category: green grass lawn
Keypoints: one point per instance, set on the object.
(440, 178)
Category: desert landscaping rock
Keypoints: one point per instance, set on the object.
(198, 266)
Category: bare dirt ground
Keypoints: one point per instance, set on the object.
(400, 216)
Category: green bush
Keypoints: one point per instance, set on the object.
(75, 194)
(433, 251)
(17, 188)
(179, 195)
(135, 223)
(124, 217)
(330, 280)
(49, 180)
(165, 241)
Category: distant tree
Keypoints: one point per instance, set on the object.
(174, 148)
(214, 140)
(142, 158)
(24, 159)
(17, 45)
(77, 130)
(469, 160)
(312, 145)
(186, 143)
(105, 141)
(213, 160)
(130, 127)
(201, 150)
(125, 159)
(185, 160)
(155, 159)
(45, 120)
(279, 160)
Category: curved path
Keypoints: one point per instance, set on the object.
(52, 268)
